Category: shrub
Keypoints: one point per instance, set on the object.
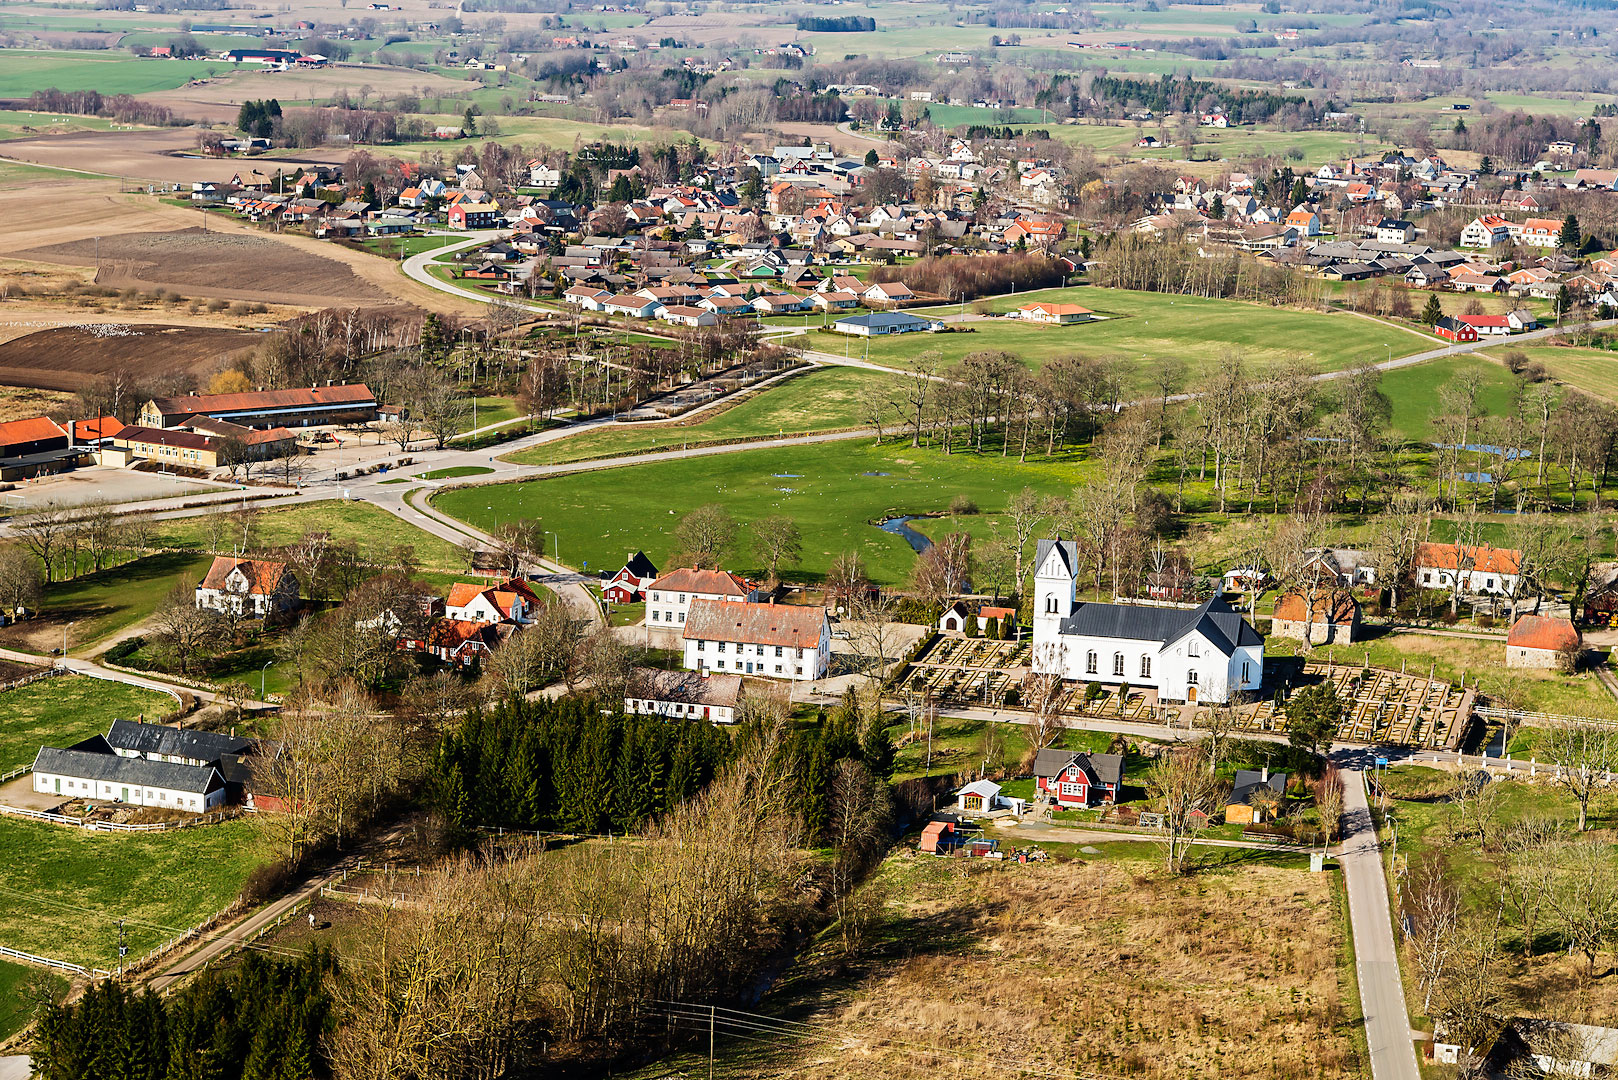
(1013, 698)
(239, 308)
(1092, 692)
(1485, 621)
(125, 649)
(963, 504)
(265, 882)
(217, 306)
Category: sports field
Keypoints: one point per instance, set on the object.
(831, 490)
(822, 400)
(1140, 328)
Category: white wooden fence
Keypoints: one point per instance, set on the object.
(114, 826)
(59, 965)
(1540, 718)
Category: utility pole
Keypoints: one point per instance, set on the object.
(123, 949)
(710, 1041)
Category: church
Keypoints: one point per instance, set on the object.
(1204, 654)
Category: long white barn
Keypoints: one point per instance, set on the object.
(1208, 653)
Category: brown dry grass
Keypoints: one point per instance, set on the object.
(1104, 968)
(19, 403)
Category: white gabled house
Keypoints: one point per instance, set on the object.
(684, 695)
(1207, 654)
(683, 315)
(510, 601)
(253, 587)
(669, 598)
(779, 641)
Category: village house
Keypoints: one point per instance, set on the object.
(1252, 793)
(1331, 618)
(1539, 641)
(1489, 231)
(879, 323)
(684, 695)
(1452, 329)
(513, 600)
(629, 584)
(257, 588)
(1208, 653)
(1055, 314)
(669, 598)
(1481, 570)
(1070, 778)
(90, 770)
(776, 640)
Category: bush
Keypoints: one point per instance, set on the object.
(1449, 618)
(125, 649)
(1013, 698)
(1485, 621)
(217, 306)
(264, 882)
(1093, 691)
(962, 505)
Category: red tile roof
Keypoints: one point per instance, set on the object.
(263, 576)
(1542, 632)
(1486, 560)
(704, 582)
(32, 429)
(1332, 606)
(330, 396)
(756, 624)
(102, 427)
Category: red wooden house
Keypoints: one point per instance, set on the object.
(1453, 329)
(628, 585)
(1072, 778)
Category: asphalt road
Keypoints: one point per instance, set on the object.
(1376, 956)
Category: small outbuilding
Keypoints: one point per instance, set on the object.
(1538, 641)
(1332, 617)
(1252, 795)
(978, 797)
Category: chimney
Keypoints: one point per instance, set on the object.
(1264, 774)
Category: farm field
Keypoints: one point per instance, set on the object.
(1595, 371)
(71, 357)
(63, 890)
(374, 531)
(1140, 327)
(822, 400)
(94, 606)
(22, 124)
(1199, 991)
(111, 73)
(1413, 392)
(62, 710)
(831, 490)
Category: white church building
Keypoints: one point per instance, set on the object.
(1207, 654)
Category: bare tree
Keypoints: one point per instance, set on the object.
(846, 579)
(1329, 801)
(1433, 911)
(1182, 784)
(183, 630)
(861, 810)
(1584, 756)
(43, 531)
(705, 534)
(1028, 513)
(776, 540)
(22, 581)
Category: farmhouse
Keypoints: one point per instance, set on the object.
(1333, 617)
(175, 745)
(511, 601)
(884, 322)
(685, 695)
(777, 640)
(266, 408)
(1537, 641)
(1484, 570)
(1453, 329)
(1207, 653)
(1077, 779)
(93, 770)
(629, 584)
(1486, 325)
(669, 598)
(1055, 313)
(256, 588)
(1251, 792)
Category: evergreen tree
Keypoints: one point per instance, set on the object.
(1460, 126)
(871, 158)
(1570, 237)
(1486, 166)
(1433, 311)
(876, 748)
(1300, 192)
(620, 191)
(1217, 209)
(434, 339)
(369, 194)
(969, 625)
(469, 123)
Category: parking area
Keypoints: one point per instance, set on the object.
(101, 484)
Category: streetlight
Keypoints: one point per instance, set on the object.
(558, 538)
(261, 672)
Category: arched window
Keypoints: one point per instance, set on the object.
(1090, 662)
(1191, 677)
(1050, 604)
(1193, 647)
(1145, 666)
(1118, 664)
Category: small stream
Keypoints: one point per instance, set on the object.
(900, 527)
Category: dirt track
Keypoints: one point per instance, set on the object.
(67, 358)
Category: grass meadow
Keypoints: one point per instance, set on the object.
(94, 606)
(63, 890)
(372, 530)
(822, 400)
(63, 710)
(111, 73)
(1595, 371)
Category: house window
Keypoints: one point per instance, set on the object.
(1090, 662)
(720, 664)
(721, 646)
(1145, 666)
(1118, 664)
(1488, 583)
(800, 652)
(682, 598)
(778, 650)
(701, 645)
(657, 596)
(1193, 647)
(655, 614)
(1191, 677)
(778, 669)
(1072, 789)
(1246, 667)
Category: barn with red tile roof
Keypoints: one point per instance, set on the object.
(1538, 641)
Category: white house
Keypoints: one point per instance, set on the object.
(587, 297)
(669, 598)
(780, 641)
(636, 306)
(1208, 653)
(888, 292)
(510, 601)
(1473, 569)
(542, 175)
(252, 587)
(878, 323)
(92, 771)
(1488, 231)
(683, 315)
(1061, 314)
(685, 695)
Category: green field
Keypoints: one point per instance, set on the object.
(111, 73)
(63, 890)
(1139, 328)
(1413, 392)
(15, 1008)
(21, 124)
(822, 400)
(372, 530)
(1595, 371)
(93, 606)
(452, 472)
(826, 488)
(63, 710)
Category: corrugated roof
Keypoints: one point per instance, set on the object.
(133, 772)
(755, 624)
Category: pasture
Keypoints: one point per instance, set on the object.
(1141, 328)
(111, 73)
(833, 491)
(373, 531)
(63, 890)
(822, 400)
(94, 606)
(1595, 371)
(61, 711)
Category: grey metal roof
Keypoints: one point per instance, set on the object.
(885, 318)
(1069, 550)
(174, 742)
(134, 772)
(1250, 780)
(1216, 620)
(1104, 768)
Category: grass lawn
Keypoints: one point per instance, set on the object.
(493, 410)
(15, 1009)
(1595, 371)
(831, 490)
(822, 400)
(372, 530)
(94, 606)
(403, 247)
(1413, 391)
(63, 710)
(63, 890)
(451, 472)
(1141, 328)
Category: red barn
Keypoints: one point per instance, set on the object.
(1072, 778)
(628, 585)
